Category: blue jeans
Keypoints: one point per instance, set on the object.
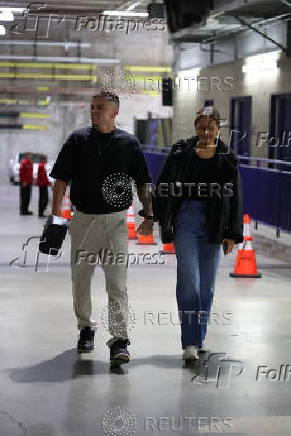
(197, 264)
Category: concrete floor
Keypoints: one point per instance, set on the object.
(47, 389)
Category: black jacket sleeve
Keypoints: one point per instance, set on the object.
(235, 223)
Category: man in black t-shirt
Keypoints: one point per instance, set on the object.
(100, 163)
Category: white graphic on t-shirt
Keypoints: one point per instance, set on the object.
(117, 190)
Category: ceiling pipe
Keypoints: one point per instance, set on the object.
(286, 2)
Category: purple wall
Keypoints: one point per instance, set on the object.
(266, 192)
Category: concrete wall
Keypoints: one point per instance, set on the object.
(260, 85)
(138, 106)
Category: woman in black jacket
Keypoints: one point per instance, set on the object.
(198, 203)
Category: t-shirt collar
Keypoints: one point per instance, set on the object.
(94, 130)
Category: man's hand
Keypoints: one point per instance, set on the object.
(146, 228)
(229, 243)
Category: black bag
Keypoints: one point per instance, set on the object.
(52, 237)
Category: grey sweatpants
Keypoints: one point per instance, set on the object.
(100, 239)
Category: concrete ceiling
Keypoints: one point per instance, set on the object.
(136, 48)
(59, 21)
(72, 7)
(37, 30)
(229, 17)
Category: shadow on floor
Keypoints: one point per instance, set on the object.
(70, 365)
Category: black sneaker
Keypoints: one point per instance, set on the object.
(86, 341)
(119, 353)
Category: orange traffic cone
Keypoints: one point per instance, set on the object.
(245, 264)
(131, 223)
(66, 212)
(168, 249)
(146, 239)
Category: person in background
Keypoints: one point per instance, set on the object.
(26, 181)
(43, 183)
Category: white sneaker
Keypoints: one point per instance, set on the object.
(190, 353)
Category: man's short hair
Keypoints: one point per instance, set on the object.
(208, 111)
(109, 95)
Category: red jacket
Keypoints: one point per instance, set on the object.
(26, 171)
(42, 179)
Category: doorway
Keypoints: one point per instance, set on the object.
(240, 124)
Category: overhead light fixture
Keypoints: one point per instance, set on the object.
(126, 14)
(46, 43)
(17, 10)
(147, 68)
(63, 59)
(262, 63)
(134, 5)
(2, 30)
(193, 72)
(6, 14)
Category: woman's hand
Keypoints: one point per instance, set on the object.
(229, 245)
